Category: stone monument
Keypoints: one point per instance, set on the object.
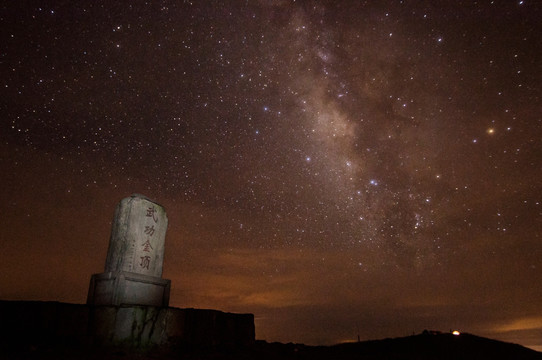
(133, 269)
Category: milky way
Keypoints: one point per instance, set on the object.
(336, 168)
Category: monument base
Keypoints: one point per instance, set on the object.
(31, 326)
(126, 288)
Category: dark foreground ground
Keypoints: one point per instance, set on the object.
(419, 347)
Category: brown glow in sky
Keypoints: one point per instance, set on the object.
(331, 167)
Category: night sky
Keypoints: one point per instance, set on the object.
(335, 168)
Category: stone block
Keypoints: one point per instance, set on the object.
(133, 268)
(26, 324)
(118, 288)
(147, 327)
(137, 237)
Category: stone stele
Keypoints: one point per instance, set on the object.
(133, 268)
(137, 237)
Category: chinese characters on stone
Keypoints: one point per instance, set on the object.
(145, 262)
(149, 231)
(151, 213)
(147, 247)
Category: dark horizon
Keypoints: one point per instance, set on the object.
(333, 168)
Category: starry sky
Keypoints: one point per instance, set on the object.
(334, 167)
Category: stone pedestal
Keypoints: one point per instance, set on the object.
(126, 288)
(133, 269)
(29, 327)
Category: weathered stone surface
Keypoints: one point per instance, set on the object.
(148, 326)
(137, 237)
(118, 288)
(50, 324)
(133, 268)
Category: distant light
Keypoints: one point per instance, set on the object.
(456, 333)
(490, 131)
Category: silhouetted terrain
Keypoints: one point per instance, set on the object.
(419, 347)
(424, 346)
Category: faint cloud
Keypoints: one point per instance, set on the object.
(527, 323)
